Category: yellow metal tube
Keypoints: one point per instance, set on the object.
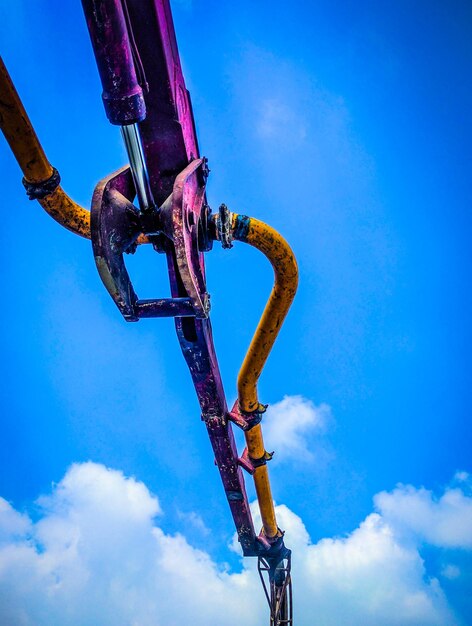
(25, 145)
(68, 213)
(279, 253)
(19, 133)
(277, 250)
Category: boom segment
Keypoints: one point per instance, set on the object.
(160, 199)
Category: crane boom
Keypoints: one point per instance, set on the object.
(160, 200)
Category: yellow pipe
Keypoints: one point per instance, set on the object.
(25, 145)
(279, 253)
(276, 249)
(68, 213)
(19, 133)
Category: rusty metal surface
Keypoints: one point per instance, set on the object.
(19, 132)
(66, 212)
(248, 412)
(122, 94)
(187, 202)
(24, 143)
(276, 249)
(168, 132)
(116, 224)
(195, 337)
(276, 578)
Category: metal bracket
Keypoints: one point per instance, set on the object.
(224, 227)
(246, 421)
(187, 202)
(250, 464)
(38, 191)
(278, 587)
(116, 225)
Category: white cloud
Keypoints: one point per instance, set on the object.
(195, 521)
(12, 524)
(369, 577)
(462, 477)
(290, 424)
(97, 555)
(450, 571)
(444, 521)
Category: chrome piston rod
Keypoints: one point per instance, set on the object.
(137, 163)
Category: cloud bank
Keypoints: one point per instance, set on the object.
(97, 555)
(290, 426)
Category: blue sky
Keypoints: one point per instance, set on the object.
(348, 129)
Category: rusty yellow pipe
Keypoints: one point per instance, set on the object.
(25, 145)
(277, 250)
(68, 213)
(19, 133)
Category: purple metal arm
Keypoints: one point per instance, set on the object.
(177, 179)
(122, 93)
(168, 132)
(169, 177)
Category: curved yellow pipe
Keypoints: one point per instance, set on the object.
(25, 145)
(276, 249)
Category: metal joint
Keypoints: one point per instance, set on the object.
(250, 464)
(246, 421)
(224, 227)
(275, 575)
(205, 241)
(273, 547)
(38, 191)
(205, 171)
